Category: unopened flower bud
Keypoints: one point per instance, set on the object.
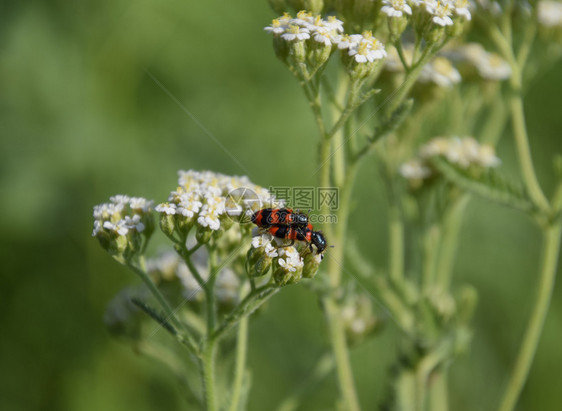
(285, 276)
(257, 262)
(203, 234)
(311, 264)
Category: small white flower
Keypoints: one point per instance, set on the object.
(97, 227)
(334, 24)
(120, 199)
(415, 169)
(549, 13)
(295, 33)
(487, 157)
(119, 227)
(358, 326)
(323, 37)
(209, 216)
(348, 41)
(167, 208)
(441, 12)
(493, 67)
(441, 72)
(461, 8)
(276, 27)
(134, 223)
(303, 19)
(140, 204)
(396, 8)
(369, 49)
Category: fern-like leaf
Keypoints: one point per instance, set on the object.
(489, 185)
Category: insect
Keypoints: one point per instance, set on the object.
(306, 234)
(269, 217)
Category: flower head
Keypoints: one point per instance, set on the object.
(396, 8)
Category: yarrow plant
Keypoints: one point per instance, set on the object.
(216, 274)
(382, 78)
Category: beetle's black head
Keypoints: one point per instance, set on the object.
(300, 219)
(319, 241)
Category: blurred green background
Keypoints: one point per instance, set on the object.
(81, 119)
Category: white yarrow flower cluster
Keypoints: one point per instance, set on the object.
(290, 259)
(306, 26)
(441, 72)
(463, 152)
(202, 196)
(362, 47)
(121, 215)
(490, 66)
(415, 169)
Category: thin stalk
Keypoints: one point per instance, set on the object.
(549, 259)
(338, 138)
(208, 365)
(341, 354)
(240, 367)
(411, 77)
(335, 324)
(449, 241)
(430, 241)
(504, 45)
(396, 237)
(209, 288)
(523, 150)
(438, 397)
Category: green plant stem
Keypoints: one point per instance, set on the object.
(331, 306)
(438, 398)
(431, 240)
(523, 150)
(341, 354)
(246, 307)
(549, 259)
(208, 366)
(411, 76)
(396, 236)
(210, 293)
(449, 241)
(240, 367)
(338, 137)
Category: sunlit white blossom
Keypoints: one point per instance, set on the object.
(415, 169)
(441, 72)
(396, 8)
(549, 13)
(441, 12)
(295, 33)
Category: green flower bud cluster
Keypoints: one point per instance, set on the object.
(287, 264)
(305, 42)
(123, 226)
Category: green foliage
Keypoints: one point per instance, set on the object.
(488, 184)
